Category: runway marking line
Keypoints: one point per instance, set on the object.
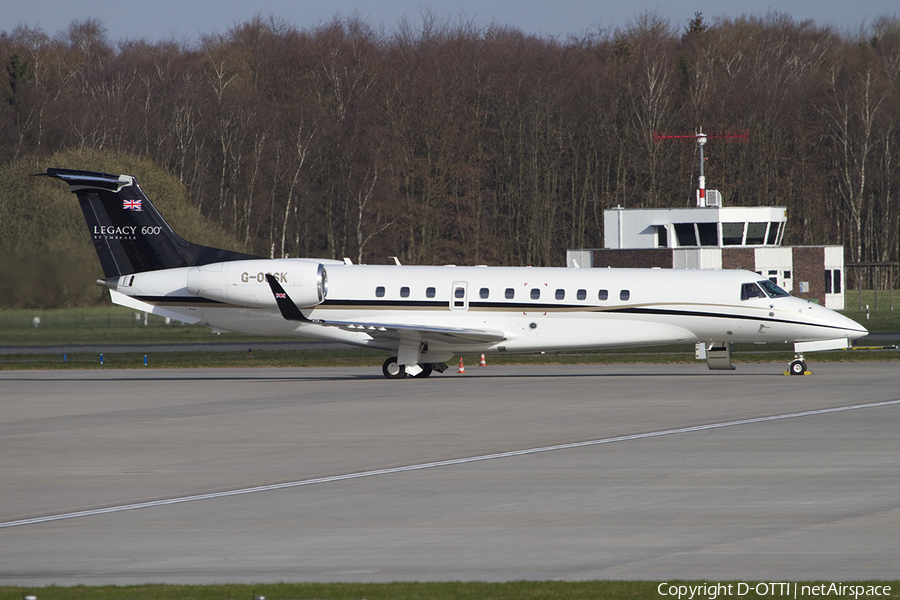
(439, 463)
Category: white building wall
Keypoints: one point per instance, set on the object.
(777, 264)
(628, 229)
(697, 258)
(582, 259)
(834, 268)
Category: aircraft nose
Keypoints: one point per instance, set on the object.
(836, 321)
(861, 332)
(855, 330)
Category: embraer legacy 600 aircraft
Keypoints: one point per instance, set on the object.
(425, 315)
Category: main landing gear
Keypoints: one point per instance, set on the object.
(393, 370)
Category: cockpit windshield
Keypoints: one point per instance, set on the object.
(773, 290)
(761, 289)
(750, 291)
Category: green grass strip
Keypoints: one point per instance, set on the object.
(370, 358)
(355, 357)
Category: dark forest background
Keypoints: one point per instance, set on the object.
(451, 143)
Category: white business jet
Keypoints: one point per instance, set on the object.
(424, 315)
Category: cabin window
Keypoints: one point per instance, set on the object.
(560, 294)
(429, 292)
(510, 293)
(603, 295)
(624, 295)
(581, 294)
(379, 291)
(404, 292)
(750, 291)
(483, 293)
(459, 292)
(535, 293)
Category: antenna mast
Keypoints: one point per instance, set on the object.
(701, 141)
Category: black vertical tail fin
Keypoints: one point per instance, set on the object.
(129, 234)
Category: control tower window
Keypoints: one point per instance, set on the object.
(685, 234)
(662, 237)
(756, 234)
(732, 234)
(772, 239)
(709, 235)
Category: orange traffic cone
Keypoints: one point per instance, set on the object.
(482, 363)
(462, 369)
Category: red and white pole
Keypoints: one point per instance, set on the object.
(701, 190)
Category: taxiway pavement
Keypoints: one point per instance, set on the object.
(652, 472)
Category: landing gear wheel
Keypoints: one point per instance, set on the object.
(393, 370)
(797, 367)
(425, 372)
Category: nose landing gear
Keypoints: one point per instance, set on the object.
(798, 366)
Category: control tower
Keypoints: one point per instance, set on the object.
(713, 236)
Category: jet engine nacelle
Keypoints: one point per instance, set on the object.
(243, 282)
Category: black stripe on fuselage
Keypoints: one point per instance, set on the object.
(442, 305)
(533, 308)
(717, 315)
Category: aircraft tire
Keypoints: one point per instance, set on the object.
(392, 370)
(425, 372)
(797, 367)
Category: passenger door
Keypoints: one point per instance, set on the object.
(459, 296)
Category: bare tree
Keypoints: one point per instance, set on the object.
(856, 105)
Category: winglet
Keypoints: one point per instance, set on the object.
(287, 307)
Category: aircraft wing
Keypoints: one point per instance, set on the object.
(427, 332)
(377, 330)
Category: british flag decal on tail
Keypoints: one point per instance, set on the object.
(131, 204)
